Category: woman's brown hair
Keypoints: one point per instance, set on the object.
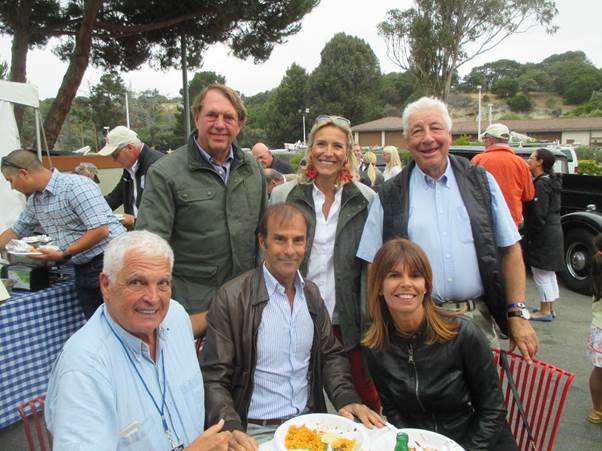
(440, 326)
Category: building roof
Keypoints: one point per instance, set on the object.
(470, 127)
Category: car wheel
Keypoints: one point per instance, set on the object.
(578, 251)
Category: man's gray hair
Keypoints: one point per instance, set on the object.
(138, 241)
(424, 104)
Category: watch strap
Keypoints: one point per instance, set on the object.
(516, 305)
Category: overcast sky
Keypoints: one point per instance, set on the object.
(578, 21)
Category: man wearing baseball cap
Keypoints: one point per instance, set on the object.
(509, 170)
(135, 158)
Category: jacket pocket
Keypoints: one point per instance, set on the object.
(195, 195)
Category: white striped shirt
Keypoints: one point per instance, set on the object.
(284, 341)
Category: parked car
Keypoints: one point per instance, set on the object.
(581, 220)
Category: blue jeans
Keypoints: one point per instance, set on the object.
(87, 285)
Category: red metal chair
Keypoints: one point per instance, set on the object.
(542, 389)
(32, 412)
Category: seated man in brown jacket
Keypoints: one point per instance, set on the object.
(270, 351)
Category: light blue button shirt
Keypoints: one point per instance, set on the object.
(439, 223)
(96, 400)
(284, 341)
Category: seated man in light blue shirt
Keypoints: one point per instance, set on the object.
(270, 352)
(129, 378)
(456, 212)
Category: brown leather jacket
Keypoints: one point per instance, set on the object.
(229, 355)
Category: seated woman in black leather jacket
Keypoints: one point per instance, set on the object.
(433, 369)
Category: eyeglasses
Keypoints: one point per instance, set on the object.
(336, 119)
(6, 163)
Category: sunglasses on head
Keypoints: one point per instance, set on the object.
(333, 118)
(6, 163)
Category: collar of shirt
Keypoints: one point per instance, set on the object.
(272, 285)
(430, 182)
(133, 169)
(212, 161)
(51, 187)
(319, 199)
(134, 344)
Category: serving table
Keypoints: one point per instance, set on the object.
(33, 328)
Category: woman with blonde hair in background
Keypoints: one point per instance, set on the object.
(337, 207)
(371, 176)
(393, 162)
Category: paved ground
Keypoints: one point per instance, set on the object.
(562, 344)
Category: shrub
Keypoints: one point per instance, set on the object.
(590, 167)
(520, 102)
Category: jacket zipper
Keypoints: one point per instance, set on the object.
(417, 385)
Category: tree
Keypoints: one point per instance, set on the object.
(505, 88)
(583, 85)
(286, 108)
(520, 102)
(107, 98)
(396, 88)
(432, 39)
(123, 35)
(487, 74)
(346, 82)
(258, 119)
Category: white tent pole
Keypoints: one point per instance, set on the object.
(38, 137)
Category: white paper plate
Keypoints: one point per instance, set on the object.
(26, 254)
(419, 438)
(326, 423)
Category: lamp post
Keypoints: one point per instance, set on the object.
(304, 112)
(479, 115)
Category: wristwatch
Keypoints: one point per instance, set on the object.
(522, 312)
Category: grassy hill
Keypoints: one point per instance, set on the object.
(545, 105)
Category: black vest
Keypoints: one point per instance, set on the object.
(474, 190)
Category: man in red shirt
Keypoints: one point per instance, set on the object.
(510, 171)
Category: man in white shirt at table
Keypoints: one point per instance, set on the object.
(269, 351)
(129, 378)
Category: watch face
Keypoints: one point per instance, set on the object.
(525, 313)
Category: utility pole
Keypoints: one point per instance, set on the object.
(479, 115)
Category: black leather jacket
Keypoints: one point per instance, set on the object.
(450, 388)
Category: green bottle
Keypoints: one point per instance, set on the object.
(401, 443)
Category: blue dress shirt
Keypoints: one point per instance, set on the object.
(96, 401)
(222, 169)
(284, 339)
(439, 224)
(69, 206)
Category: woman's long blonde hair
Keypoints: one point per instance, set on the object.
(394, 154)
(370, 162)
(440, 324)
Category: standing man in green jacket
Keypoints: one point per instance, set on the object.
(206, 199)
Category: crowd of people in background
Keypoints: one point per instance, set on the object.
(338, 279)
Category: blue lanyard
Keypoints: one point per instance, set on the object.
(163, 391)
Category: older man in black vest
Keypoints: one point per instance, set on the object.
(456, 212)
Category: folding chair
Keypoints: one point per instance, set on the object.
(32, 411)
(542, 389)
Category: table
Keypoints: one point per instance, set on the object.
(33, 328)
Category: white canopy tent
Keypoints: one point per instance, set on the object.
(12, 93)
